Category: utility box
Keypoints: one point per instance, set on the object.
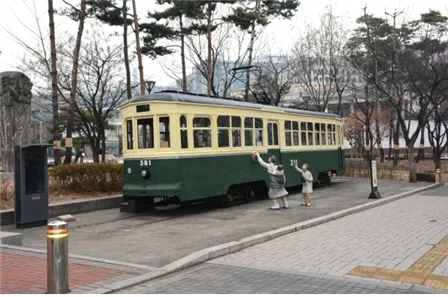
(31, 185)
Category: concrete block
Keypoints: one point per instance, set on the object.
(11, 238)
(99, 291)
(133, 281)
(253, 240)
(190, 260)
(219, 250)
(280, 232)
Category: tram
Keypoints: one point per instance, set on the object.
(182, 147)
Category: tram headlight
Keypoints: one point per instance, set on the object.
(145, 173)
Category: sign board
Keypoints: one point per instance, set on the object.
(374, 175)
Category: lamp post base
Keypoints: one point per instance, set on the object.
(374, 195)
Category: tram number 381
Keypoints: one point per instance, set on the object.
(145, 162)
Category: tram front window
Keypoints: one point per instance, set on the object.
(164, 126)
(145, 133)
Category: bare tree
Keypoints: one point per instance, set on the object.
(319, 58)
(139, 50)
(411, 69)
(228, 51)
(276, 77)
(74, 83)
(54, 85)
(101, 87)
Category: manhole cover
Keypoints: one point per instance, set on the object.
(433, 221)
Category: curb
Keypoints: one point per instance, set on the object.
(79, 257)
(235, 246)
(7, 216)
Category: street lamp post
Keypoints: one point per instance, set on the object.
(149, 84)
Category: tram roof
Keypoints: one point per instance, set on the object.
(175, 96)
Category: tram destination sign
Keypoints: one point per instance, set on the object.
(143, 108)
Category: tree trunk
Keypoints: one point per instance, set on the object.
(391, 133)
(251, 51)
(182, 55)
(378, 140)
(209, 49)
(125, 50)
(54, 87)
(139, 50)
(437, 159)
(412, 164)
(103, 147)
(397, 143)
(421, 149)
(96, 154)
(339, 108)
(71, 108)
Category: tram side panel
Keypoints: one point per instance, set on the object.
(211, 176)
(161, 179)
(319, 162)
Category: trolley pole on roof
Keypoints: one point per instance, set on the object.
(247, 69)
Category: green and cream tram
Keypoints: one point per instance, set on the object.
(189, 147)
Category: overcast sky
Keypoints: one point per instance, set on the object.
(283, 31)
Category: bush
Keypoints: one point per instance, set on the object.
(87, 177)
(7, 193)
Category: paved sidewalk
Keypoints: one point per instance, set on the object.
(26, 272)
(392, 237)
(222, 279)
(405, 241)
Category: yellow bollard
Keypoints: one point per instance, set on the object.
(438, 176)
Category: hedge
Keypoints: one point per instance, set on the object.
(88, 177)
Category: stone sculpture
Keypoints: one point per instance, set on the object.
(15, 115)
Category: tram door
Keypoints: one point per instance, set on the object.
(341, 153)
(273, 141)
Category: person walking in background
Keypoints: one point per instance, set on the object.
(307, 183)
(277, 181)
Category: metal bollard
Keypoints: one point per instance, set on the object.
(57, 257)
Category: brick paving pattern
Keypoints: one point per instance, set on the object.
(222, 279)
(393, 236)
(25, 272)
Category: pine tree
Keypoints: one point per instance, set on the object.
(175, 27)
(247, 18)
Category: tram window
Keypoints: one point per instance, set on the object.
(329, 134)
(223, 121)
(295, 126)
(183, 132)
(259, 131)
(202, 132)
(295, 133)
(333, 129)
(317, 129)
(248, 137)
(310, 130)
(145, 133)
(164, 130)
(236, 131)
(288, 139)
(223, 138)
(223, 134)
(272, 134)
(248, 132)
(303, 133)
(253, 128)
(323, 134)
(130, 136)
